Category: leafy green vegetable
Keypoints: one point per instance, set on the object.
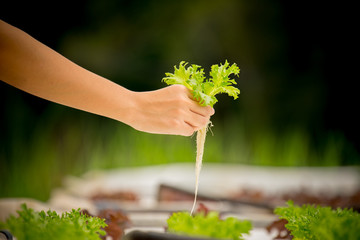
(32, 225)
(310, 222)
(208, 225)
(205, 90)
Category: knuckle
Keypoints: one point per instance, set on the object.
(181, 91)
(177, 88)
(175, 123)
(179, 111)
(180, 87)
(179, 101)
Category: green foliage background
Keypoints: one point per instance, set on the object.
(289, 112)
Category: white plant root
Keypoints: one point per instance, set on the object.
(200, 143)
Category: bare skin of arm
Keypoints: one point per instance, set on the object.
(29, 65)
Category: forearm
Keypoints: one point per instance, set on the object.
(33, 67)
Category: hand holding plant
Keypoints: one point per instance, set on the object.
(170, 110)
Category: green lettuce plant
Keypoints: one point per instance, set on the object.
(204, 91)
(33, 225)
(311, 222)
(209, 225)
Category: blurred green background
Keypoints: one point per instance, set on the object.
(298, 103)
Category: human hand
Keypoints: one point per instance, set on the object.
(170, 110)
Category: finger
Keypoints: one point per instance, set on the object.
(195, 106)
(205, 111)
(187, 130)
(195, 128)
(196, 121)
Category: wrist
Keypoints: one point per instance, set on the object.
(128, 102)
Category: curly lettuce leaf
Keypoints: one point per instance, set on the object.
(220, 76)
(209, 225)
(204, 90)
